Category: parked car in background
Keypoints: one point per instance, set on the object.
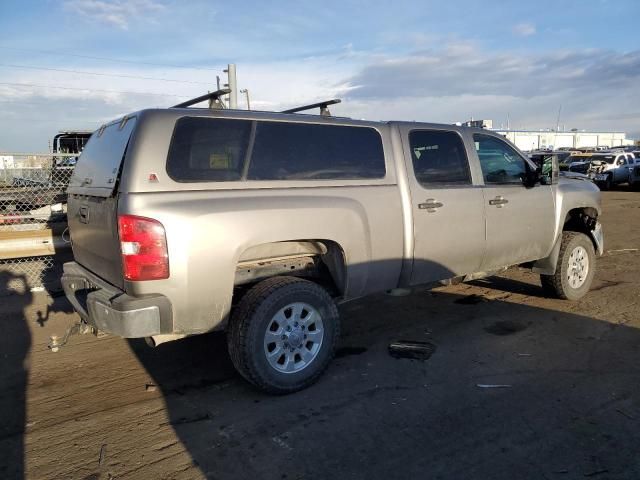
(538, 157)
(577, 162)
(609, 169)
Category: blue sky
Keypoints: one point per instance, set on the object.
(414, 60)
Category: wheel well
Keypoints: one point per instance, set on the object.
(582, 220)
(320, 261)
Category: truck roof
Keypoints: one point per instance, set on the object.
(297, 117)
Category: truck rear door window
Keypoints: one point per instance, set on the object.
(205, 149)
(304, 151)
(439, 158)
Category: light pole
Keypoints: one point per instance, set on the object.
(246, 93)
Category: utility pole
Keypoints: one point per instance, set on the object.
(246, 94)
(231, 79)
(558, 120)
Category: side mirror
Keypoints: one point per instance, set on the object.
(532, 177)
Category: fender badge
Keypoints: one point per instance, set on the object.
(153, 178)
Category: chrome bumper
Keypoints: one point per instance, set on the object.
(111, 310)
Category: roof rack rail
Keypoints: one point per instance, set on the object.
(213, 97)
(324, 107)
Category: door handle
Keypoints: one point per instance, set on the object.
(430, 205)
(498, 201)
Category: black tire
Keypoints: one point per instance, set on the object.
(558, 284)
(607, 184)
(254, 314)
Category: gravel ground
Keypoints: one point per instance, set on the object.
(568, 407)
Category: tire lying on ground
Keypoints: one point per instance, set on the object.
(575, 269)
(282, 334)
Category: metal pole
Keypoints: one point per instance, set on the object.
(231, 76)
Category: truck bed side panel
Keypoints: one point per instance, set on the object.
(207, 232)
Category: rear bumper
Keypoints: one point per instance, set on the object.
(111, 310)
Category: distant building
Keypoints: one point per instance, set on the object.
(528, 140)
(534, 140)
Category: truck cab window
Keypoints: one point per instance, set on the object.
(439, 158)
(500, 163)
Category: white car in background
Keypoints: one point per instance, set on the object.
(609, 169)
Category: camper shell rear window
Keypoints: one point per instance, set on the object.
(97, 169)
(219, 150)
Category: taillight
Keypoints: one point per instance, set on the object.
(143, 244)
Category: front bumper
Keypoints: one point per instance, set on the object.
(111, 310)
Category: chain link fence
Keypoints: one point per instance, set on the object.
(33, 216)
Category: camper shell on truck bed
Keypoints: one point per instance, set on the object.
(185, 221)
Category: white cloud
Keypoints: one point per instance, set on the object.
(453, 84)
(31, 115)
(116, 13)
(446, 85)
(524, 29)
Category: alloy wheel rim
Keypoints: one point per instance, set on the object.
(578, 267)
(293, 337)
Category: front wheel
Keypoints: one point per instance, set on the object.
(283, 333)
(607, 184)
(575, 269)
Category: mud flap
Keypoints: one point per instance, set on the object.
(598, 238)
(547, 266)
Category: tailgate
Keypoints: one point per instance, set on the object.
(92, 208)
(93, 225)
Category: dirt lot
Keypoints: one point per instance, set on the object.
(107, 408)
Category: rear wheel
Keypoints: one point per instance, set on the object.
(283, 333)
(575, 269)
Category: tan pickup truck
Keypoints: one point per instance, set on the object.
(185, 221)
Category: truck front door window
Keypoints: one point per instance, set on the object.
(499, 162)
